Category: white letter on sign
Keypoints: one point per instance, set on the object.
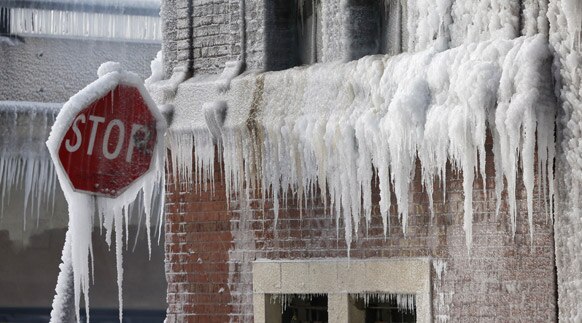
(77, 134)
(134, 142)
(119, 124)
(96, 121)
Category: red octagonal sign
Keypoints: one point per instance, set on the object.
(110, 143)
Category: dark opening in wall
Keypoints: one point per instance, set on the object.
(375, 27)
(382, 308)
(292, 308)
(292, 33)
(4, 21)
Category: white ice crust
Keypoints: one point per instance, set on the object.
(565, 17)
(333, 129)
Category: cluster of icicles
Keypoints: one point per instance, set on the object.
(85, 24)
(287, 299)
(404, 302)
(334, 129)
(24, 160)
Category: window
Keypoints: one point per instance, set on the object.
(293, 33)
(4, 21)
(298, 308)
(373, 290)
(375, 27)
(382, 308)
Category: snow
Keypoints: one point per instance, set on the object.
(157, 69)
(112, 214)
(330, 129)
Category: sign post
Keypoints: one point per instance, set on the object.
(107, 146)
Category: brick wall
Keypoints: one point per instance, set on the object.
(198, 239)
(210, 247)
(212, 37)
(203, 35)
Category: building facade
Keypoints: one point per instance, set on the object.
(256, 232)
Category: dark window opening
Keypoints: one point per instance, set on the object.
(375, 27)
(292, 33)
(383, 308)
(299, 308)
(4, 21)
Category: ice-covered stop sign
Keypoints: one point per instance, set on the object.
(109, 140)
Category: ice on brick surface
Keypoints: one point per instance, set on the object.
(329, 129)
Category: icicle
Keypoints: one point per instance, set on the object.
(24, 160)
(404, 302)
(79, 23)
(332, 127)
(440, 267)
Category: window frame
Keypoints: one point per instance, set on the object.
(338, 278)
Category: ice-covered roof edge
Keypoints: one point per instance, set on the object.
(334, 125)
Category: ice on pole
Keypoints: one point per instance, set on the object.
(88, 210)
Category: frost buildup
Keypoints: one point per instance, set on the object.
(24, 160)
(330, 129)
(111, 214)
(91, 23)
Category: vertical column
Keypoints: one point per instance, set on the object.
(169, 35)
(184, 36)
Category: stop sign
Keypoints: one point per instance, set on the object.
(109, 141)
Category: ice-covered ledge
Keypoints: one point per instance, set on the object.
(334, 125)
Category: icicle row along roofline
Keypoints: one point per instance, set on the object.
(332, 128)
(24, 160)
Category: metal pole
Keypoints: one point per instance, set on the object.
(64, 302)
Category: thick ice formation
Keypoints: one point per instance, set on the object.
(24, 159)
(333, 129)
(76, 18)
(448, 24)
(565, 18)
(112, 214)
